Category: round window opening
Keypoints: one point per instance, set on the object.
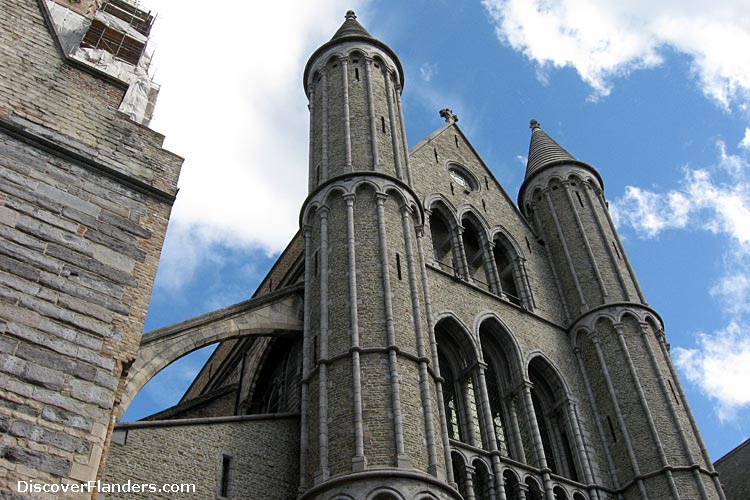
(462, 179)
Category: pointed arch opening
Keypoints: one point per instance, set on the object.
(442, 241)
(276, 389)
(549, 398)
(510, 273)
(457, 360)
(475, 244)
(502, 374)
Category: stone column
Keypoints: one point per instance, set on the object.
(612, 254)
(347, 121)
(359, 461)
(323, 471)
(402, 459)
(371, 110)
(489, 432)
(424, 380)
(304, 397)
(324, 124)
(392, 121)
(434, 359)
(536, 435)
(311, 181)
(403, 135)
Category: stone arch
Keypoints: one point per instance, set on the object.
(503, 373)
(384, 493)
(458, 462)
(469, 211)
(276, 313)
(439, 199)
(366, 182)
(483, 488)
(509, 262)
(306, 215)
(549, 394)
(512, 484)
(579, 496)
(578, 333)
(533, 492)
(330, 192)
(457, 357)
(559, 493)
(475, 243)
(443, 236)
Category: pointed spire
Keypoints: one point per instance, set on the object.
(543, 150)
(351, 27)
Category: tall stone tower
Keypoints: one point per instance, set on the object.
(366, 352)
(641, 412)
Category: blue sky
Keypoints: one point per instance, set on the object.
(655, 97)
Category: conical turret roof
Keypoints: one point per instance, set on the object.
(545, 153)
(543, 150)
(351, 27)
(352, 31)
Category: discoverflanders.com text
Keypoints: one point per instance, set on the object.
(103, 487)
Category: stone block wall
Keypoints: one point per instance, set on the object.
(85, 196)
(264, 459)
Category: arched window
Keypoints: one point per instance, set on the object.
(459, 473)
(457, 367)
(559, 493)
(512, 485)
(508, 273)
(546, 394)
(474, 248)
(442, 242)
(533, 491)
(276, 390)
(462, 177)
(482, 481)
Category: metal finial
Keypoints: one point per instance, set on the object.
(534, 124)
(449, 116)
(350, 15)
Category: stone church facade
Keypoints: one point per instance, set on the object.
(423, 336)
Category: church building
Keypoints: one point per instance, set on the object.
(423, 336)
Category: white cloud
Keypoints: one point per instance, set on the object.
(427, 71)
(232, 104)
(603, 39)
(745, 143)
(714, 200)
(720, 366)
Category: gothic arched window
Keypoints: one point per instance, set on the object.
(507, 270)
(501, 376)
(474, 247)
(457, 368)
(277, 385)
(442, 242)
(546, 394)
